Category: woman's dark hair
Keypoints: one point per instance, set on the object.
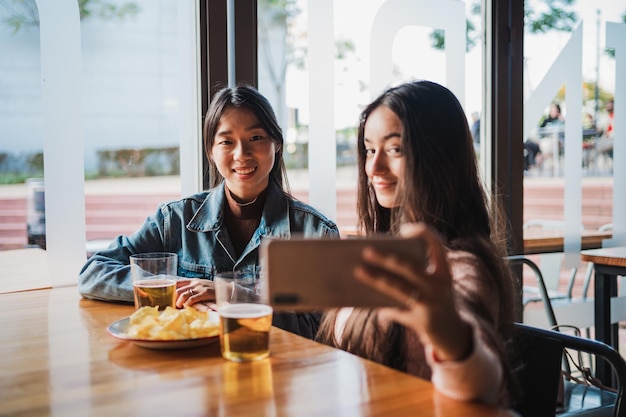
(441, 187)
(244, 96)
(441, 184)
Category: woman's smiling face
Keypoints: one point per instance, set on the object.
(384, 162)
(243, 153)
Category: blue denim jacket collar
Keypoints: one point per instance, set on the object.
(274, 220)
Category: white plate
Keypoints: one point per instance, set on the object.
(118, 330)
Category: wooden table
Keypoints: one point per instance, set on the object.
(608, 264)
(56, 359)
(537, 240)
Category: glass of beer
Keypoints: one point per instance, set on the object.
(154, 279)
(245, 320)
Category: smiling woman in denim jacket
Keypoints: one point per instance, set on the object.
(220, 229)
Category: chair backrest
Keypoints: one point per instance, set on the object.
(537, 374)
(537, 358)
(606, 227)
(541, 286)
(550, 264)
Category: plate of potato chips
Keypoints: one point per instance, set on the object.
(168, 329)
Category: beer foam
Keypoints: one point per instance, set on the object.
(154, 282)
(244, 310)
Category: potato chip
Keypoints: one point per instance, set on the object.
(139, 315)
(171, 324)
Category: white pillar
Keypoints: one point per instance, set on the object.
(64, 171)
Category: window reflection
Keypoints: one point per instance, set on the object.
(573, 71)
(21, 147)
(549, 59)
(403, 43)
(570, 79)
(131, 100)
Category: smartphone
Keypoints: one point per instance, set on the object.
(314, 274)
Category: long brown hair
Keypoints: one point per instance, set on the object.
(441, 187)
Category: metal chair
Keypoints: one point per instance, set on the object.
(577, 313)
(541, 289)
(537, 356)
(572, 311)
(550, 265)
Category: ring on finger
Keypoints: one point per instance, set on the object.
(412, 300)
(191, 293)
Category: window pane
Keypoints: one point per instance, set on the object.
(403, 41)
(557, 64)
(569, 84)
(21, 147)
(136, 72)
(132, 101)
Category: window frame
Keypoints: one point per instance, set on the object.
(503, 101)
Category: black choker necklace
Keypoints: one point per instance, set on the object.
(245, 204)
(242, 204)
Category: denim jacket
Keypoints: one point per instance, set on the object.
(193, 228)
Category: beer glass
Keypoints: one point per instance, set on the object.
(245, 321)
(154, 279)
